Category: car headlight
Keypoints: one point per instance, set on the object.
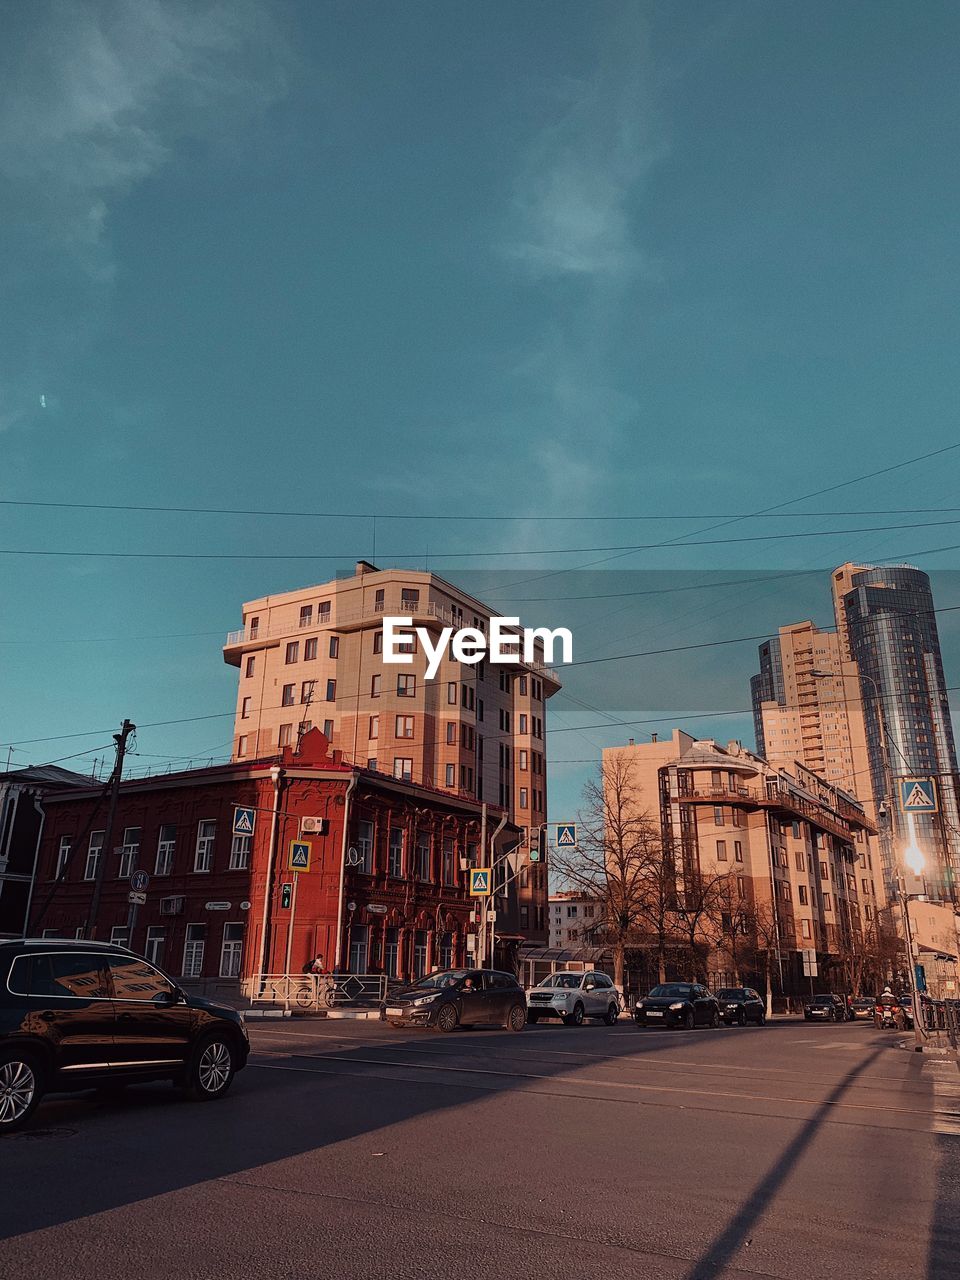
(560, 998)
(426, 999)
(677, 1004)
(640, 1005)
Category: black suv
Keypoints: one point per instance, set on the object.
(460, 997)
(75, 1015)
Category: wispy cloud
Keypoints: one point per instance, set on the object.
(95, 97)
(573, 207)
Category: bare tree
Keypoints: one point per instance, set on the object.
(617, 845)
(764, 926)
(732, 918)
(696, 910)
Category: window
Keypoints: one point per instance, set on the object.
(738, 850)
(60, 974)
(156, 937)
(523, 685)
(254, 628)
(373, 727)
(504, 721)
(118, 935)
(391, 952)
(310, 649)
(523, 722)
(523, 760)
(365, 847)
(446, 951)
(524, 917)
(166, 845)
(523, 798)
(328, 730)
(306, 690)
(796, 831)
(243, 742)
(716, 780)
(721, 850)
(129, 852)
(403, 768)
(736, 816)
(292, 652)
(799, 859)
(805, 930)
(422, 857)
(193, 950)
(718, 815)
(375, 686)
(826, 902)
(63, 855)
(824, 874)
(802, 894)
(306, 615)
(404, 727)
(250, 667)
(406, 686)
(94, 850)
(395, 853)
(785, 890)
(240, 853)
(378, 642)
(452, 693)
(231, 950)
(331, 690)
(285, 736)
(451, 775)
(451, 732)
(286, 697)
(206, 835)
(323, 611)
(134, 979)
(448, 860)
(335, 646)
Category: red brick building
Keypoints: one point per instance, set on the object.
(386, 890)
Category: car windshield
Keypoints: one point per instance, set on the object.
(822, 1000)
(562, 980)
(448, 979)
(674, 989)
(863, 1002)
(731, 993)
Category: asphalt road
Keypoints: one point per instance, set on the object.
(352, 1149)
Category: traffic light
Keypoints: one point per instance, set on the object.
(286, 895)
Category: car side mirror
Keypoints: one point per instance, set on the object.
(167, 999)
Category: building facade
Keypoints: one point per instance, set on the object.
(573, 918)
(785, 852)
(887, 625)
(313, 658)
(386, 890)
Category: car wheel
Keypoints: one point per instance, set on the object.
(611, 1016)
(211, 1069)
(533, 1018)
(715, 1019)
(447, 1018)
(20, 1090)
(516, 1018)
(689, 1020)
(575, 1019)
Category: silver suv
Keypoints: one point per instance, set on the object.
(572, 996)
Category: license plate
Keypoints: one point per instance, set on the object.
(395, 1013)
(654, 1013)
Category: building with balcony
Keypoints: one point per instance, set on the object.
(313, 658)
(790, 859)
(386, 890)
(573, 919)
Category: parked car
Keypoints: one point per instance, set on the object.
(862, 1007)
(453, 998)
(573, 996)
(678, 1004)
(741, 1005)
(825, 1008)
(76, 1015)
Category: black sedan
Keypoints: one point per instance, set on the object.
(678, 1004)
(825, 1008)
(862, 1007)
(741, 1005)
(460, 997)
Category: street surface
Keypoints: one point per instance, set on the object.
(351, 1149)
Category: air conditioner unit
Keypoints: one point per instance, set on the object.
(171, 906)
(465, 864)
(313, 826)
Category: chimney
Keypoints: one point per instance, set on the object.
(653, 737)
(631, 743)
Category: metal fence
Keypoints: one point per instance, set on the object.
(313, 992)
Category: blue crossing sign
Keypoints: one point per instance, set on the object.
(243, 820)
(479, 882)
(300, 851)
(918, 795)
(566, 835)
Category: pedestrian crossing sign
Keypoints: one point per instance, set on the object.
(479, 882)
(918, 795)
(300, 851)
(567, 836)
(243, 820)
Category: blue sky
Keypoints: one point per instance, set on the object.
(517, 260)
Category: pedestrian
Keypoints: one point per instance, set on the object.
(317, 965)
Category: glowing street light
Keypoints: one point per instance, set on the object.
(914, 859)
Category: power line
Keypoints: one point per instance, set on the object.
(473, 555)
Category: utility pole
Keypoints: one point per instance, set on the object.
(90, 930)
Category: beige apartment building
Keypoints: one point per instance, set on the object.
(790, 843)
(807, 708)
(313, 658)
(573, 917)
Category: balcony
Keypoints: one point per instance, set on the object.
(780, 798)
